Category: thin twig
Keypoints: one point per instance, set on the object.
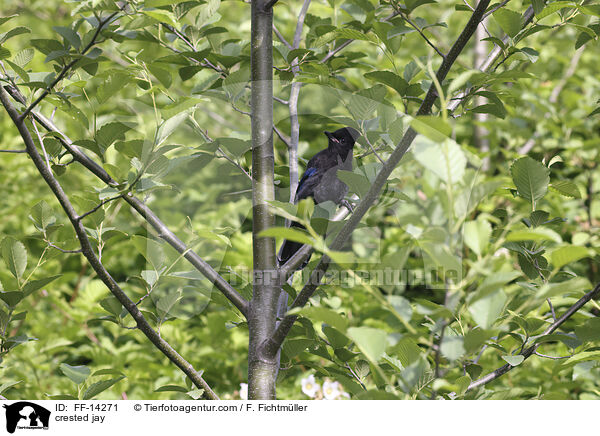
(62, 250)
(13, 151)
(70, 65)
(98, 206)
(552, 357)
(501, 5)
(285, 139)
(281, 37)
(414, 26)
(233, 162)
(531, 350)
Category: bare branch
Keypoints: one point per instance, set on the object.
(163, 231)
(13, 151)
(282, 136)
(233, 162)
(532, 349)
(280, 36)
(88, 252)
(99, 205)
(62, 250)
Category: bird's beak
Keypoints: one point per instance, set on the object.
(331, 137)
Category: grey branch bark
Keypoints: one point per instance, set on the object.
(481, 133)
(262, 371)
(272, 345)
(532, 349)
(293, 106)
(88, 252)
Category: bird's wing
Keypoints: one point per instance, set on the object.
(310, 179)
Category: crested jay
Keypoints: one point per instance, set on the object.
(320, 180)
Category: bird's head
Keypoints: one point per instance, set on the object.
(343, 138)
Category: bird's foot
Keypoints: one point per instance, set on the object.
(347, 205)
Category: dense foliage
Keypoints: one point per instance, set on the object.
(484, 235)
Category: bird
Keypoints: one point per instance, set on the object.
(320, 180)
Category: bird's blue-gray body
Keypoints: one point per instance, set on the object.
(320, 180)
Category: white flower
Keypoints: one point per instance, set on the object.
(310, 387)
(331, 390)
(244, 391)
(502, 252)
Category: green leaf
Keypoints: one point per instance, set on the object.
(162, 16)
(77, 374)
(575, 286)
(348, 33)
(165, 304)
(152, 250)
(34, 285)
(14, 255)
(8, 385)
(486, 310)
(566, 188)
(112, 305)
(12, 298)
(446, 160)
(110, 132)
(13, 32)
(196, 393)
(99, 387)
(169, 126)
(509, 21)
(407, 352)
(171, 388)
(372, 342)
(477, 234)
(42, 215)
(452, 347)
(514, 360)
(5, 19)
(435, 128)
(538, 6)
(390, 79)
(328, 316)
(565, 255)
(553, 7)
(357, 182)
(69, 35)
(287, 233)
(531, 178)
(237, 147)
(590, 331)
(162, 74)
(537, 234)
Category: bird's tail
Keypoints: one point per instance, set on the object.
(289, 248)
